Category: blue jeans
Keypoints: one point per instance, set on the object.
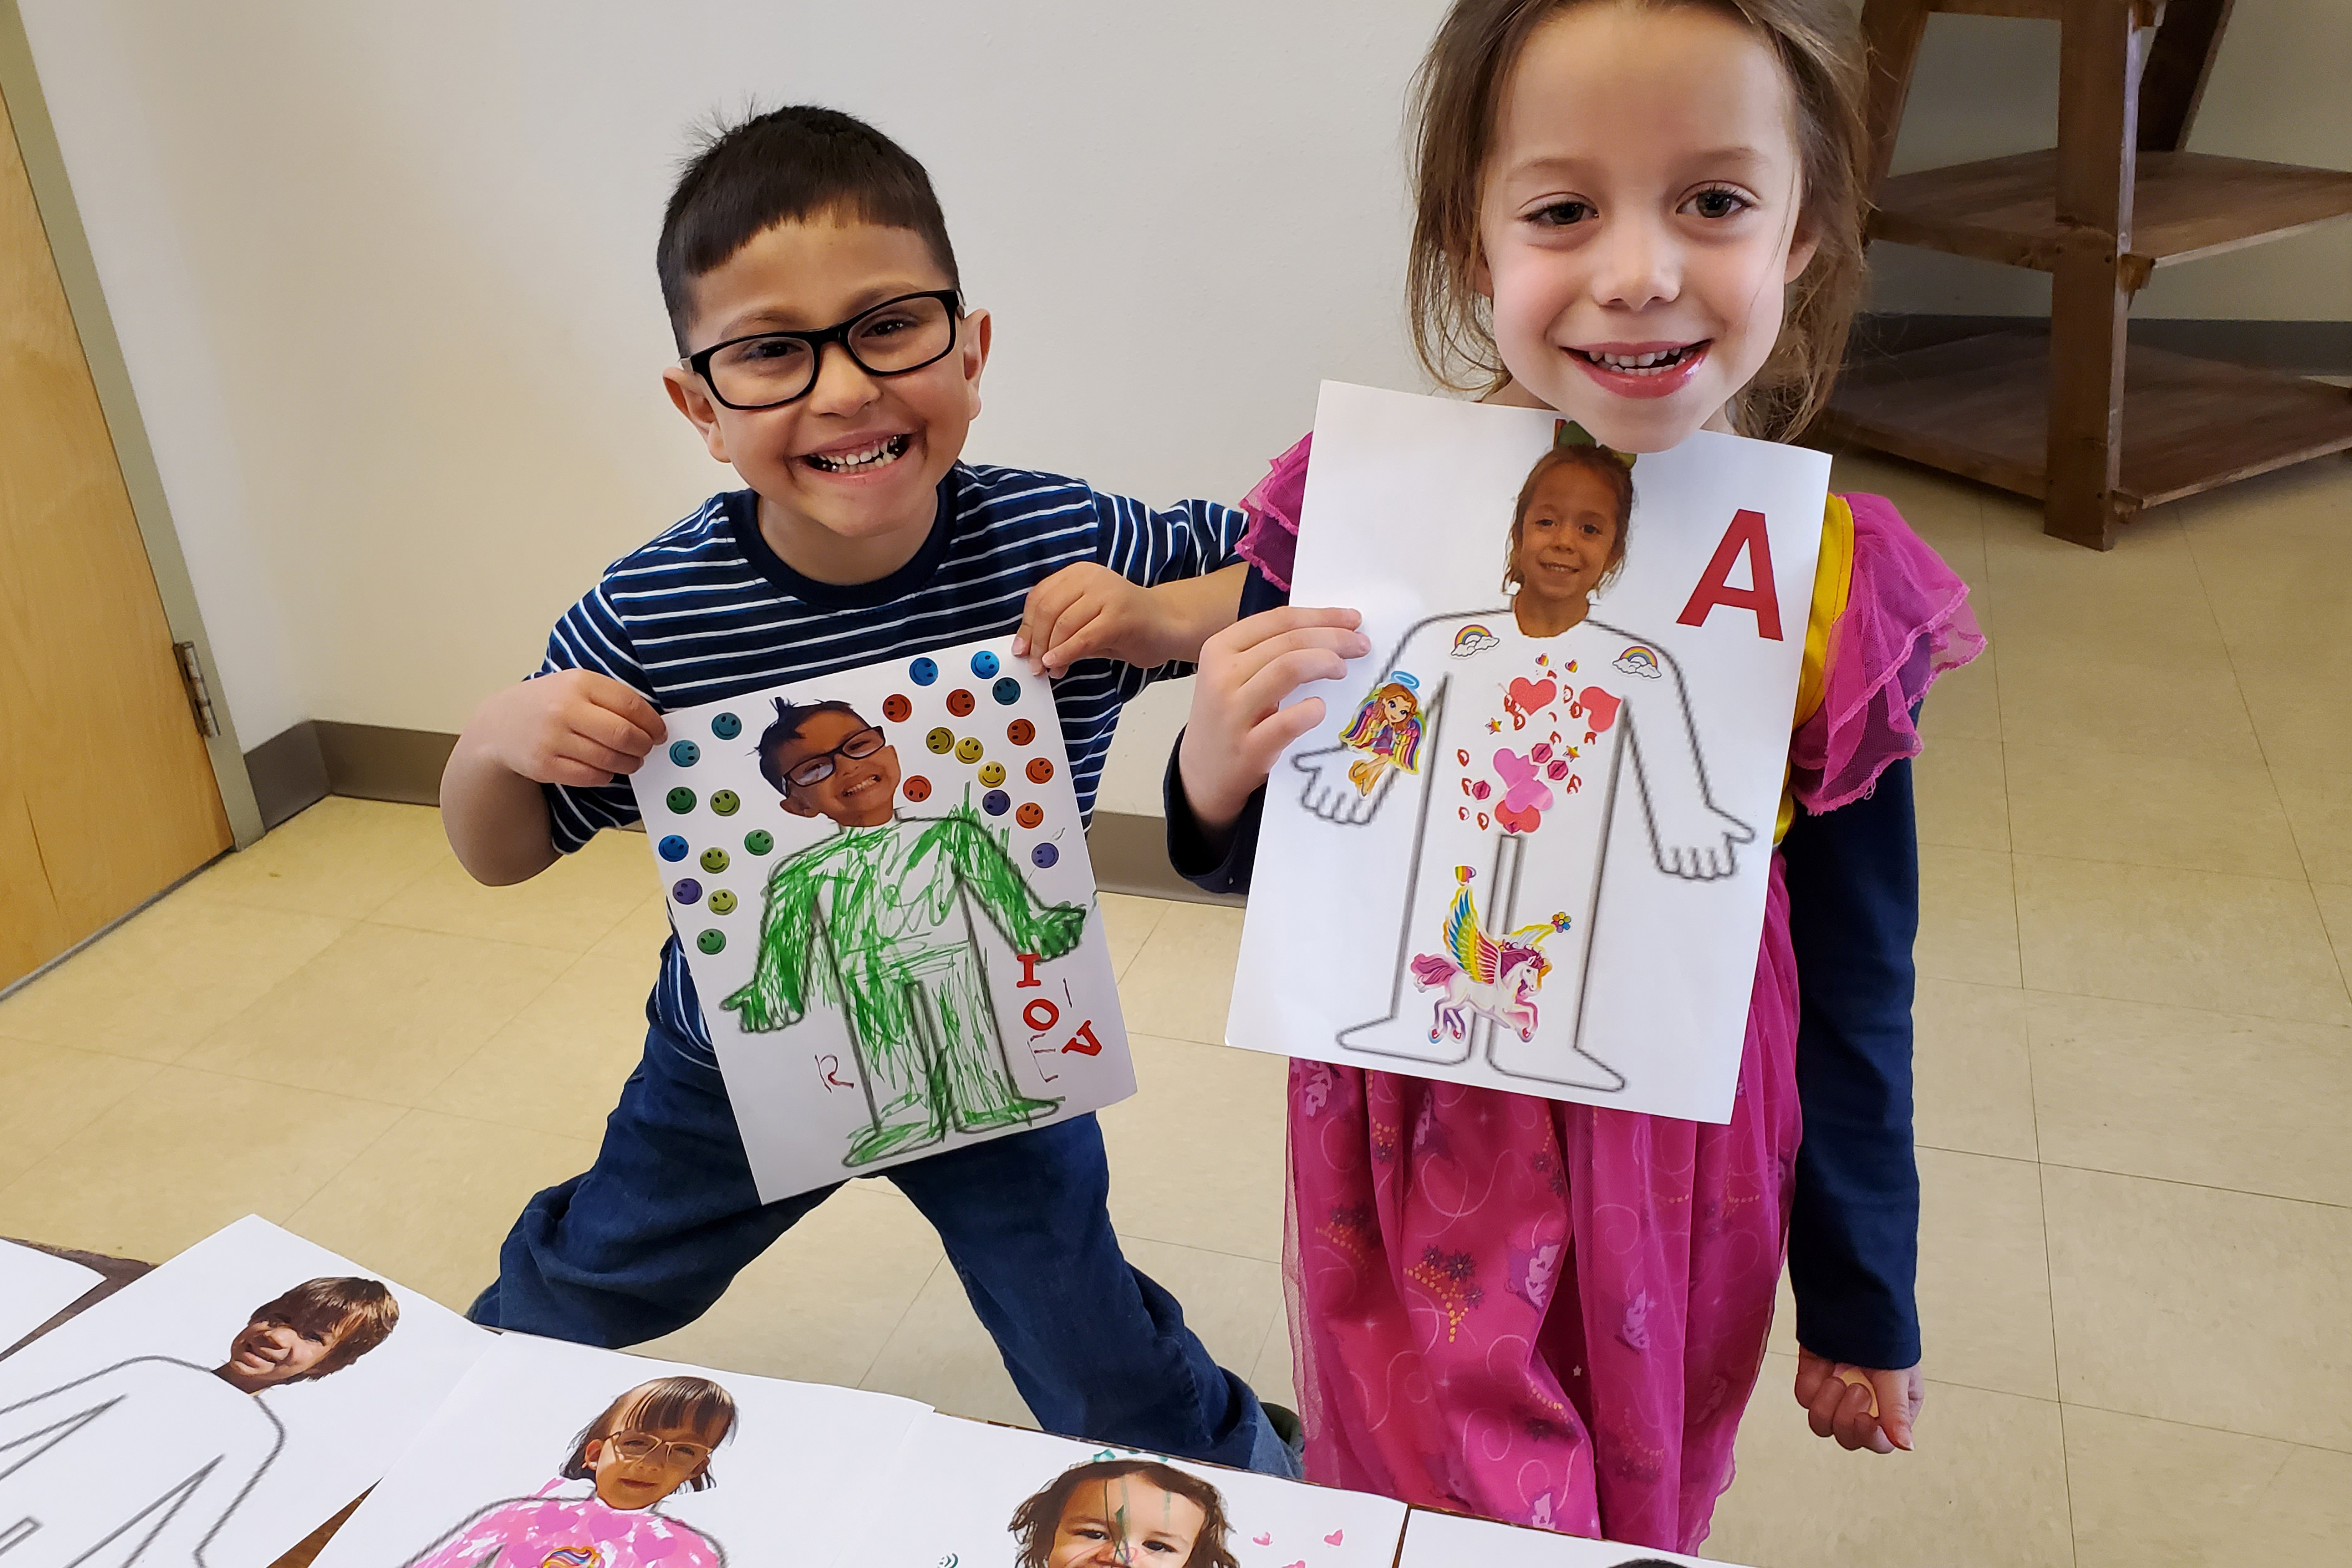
(648, 1239)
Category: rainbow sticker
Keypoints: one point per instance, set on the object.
(1473, 639)
(1642, 661)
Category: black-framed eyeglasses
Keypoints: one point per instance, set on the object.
(817, 769)
(765, 370)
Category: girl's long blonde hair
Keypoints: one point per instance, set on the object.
(1456, 96)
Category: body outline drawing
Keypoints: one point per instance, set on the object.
(1568, 540)
(194, 1430)
(908, 977)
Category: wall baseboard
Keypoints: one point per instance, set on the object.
(2295, 348)
(301, 766)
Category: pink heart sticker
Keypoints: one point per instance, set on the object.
(1263, 1539)
(1333, 1539)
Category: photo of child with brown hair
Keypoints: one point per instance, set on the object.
(650, 1442)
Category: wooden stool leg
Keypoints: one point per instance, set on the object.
(2098, 93)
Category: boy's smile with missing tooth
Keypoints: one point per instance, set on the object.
(847, 475)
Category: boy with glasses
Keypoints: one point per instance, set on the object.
(825, 353)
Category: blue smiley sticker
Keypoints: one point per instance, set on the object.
(996, 803)
(1044, 855)
(923, 671)
(983, 664)
(1006, 692)
(672, 847)
(686, 754)
(725, 726)
(686, 891)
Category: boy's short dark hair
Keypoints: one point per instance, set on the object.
(788, 165)
(790, 719)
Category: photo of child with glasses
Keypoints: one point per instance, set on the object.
(649, 1443)
(875, 922)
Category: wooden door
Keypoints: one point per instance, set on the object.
(107, 796)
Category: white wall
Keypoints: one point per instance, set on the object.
(382, 273)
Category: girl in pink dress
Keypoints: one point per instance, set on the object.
(1647, 216)
(651, 1441)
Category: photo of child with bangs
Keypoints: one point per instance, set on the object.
(650, 1443)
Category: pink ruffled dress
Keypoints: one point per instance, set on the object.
(1554, 1314)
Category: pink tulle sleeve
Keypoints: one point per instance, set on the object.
(1906, 621)
(1270, 543)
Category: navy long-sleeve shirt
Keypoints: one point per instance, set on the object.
(1853, 911)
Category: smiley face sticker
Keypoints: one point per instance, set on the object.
(725, 802)
(923, 671)
(992, 774)
(725, 726)
(759, 841)
(686, 891)
(983, 664)
(960, 702)
(1044, 855)
(679, 800)
(722, 902)
(1006, 692)
(968, 749)
(917, 788)
(1039, 770)
(712, 940)
(671, 847)
(714, 860)
(995, 803)
(1021, 731)
(941, 740)
(896, 707)
(684, 753)
(1030, 815)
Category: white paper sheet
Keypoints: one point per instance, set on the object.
(35, 1287)
(119, 1439)
(1448, 1541)
(1535, 902)
(952, 1036)
(794, 1478)
(961, 1486)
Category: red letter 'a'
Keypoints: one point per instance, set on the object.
(1746, 533)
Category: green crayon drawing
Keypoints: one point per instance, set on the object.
(877, 922)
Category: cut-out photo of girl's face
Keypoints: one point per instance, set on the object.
(1124, 1514)
(1568, 536)
(654, 1439)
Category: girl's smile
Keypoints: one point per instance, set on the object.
(1638, 224)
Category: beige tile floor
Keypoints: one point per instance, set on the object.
(2135, 1076)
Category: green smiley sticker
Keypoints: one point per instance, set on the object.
(759, 841)
(714, 860)
(711, 941)
(680, 799)
(725, 801)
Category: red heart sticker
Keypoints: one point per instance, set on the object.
(1531, 696)
(1599, 708)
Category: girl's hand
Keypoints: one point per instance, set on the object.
(1862, 1408)
(573, 726)
(1088, 611)
(1239, 724)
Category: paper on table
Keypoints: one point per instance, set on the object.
(35, 1287)
(910, 959)
(1532, 862)
(985, 1491)
(220, 1408)
(793, 1468)
(1448, 1541)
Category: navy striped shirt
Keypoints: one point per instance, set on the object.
(709, 611)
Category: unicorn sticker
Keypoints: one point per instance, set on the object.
(1495, 978)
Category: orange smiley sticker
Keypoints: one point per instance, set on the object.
(1040, 770)
(917, 788)
(1030, 815)
(1021, 731)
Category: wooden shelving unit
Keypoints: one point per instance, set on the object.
(2094, 429)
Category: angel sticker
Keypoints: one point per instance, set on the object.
(1529, 713)
(1387, 729)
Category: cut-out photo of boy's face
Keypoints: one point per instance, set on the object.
(835, 764)
(319, 1327)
